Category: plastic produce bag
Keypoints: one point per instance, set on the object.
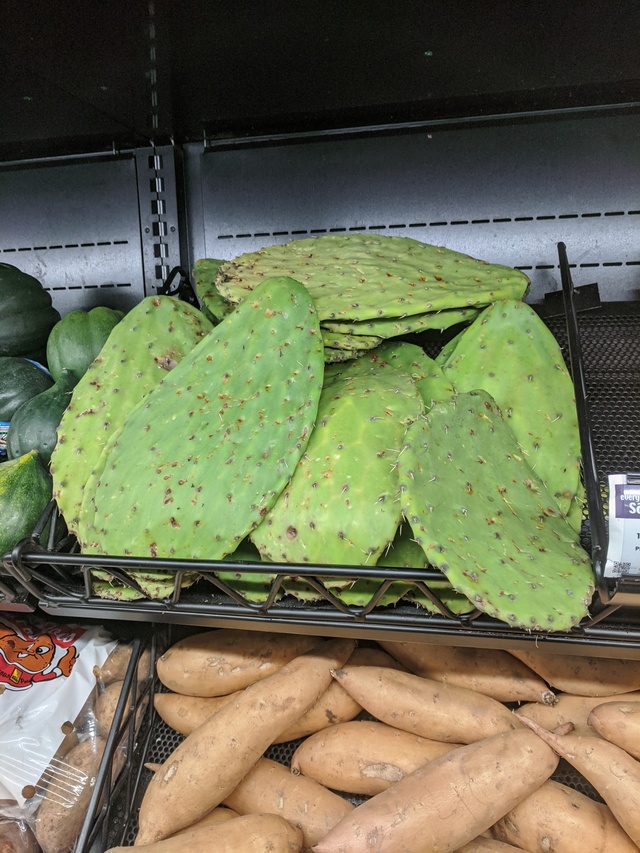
(17, 837)
(46, 678)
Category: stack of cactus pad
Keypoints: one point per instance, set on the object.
(248, 432)
(366, 287)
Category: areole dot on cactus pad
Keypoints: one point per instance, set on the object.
(487, 522)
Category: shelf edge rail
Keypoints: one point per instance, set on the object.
(623, 592)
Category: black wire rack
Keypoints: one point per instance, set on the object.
(598, 340)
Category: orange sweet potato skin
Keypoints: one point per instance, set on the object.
(364, 757)
(185, 713)
(219, 662)
(449, 801)
(570, 709)
(247, 833)
(212, 760)
(619, 723)
(64, 807)
(563, 820)
(425, 707)
(583, 675)
(493, 672)
(270, 787)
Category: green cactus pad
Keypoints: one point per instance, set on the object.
(204, 457)
(353, 343)
(251, 586)
(204, 275)
(425, 372)
(365, 277)
(156, 586)
(393, 327)
(510, 353)
(334, 355)
(484, 518)
(147, 343)
(341, 506)
(360, 593)
(405, 553)
(299, 589)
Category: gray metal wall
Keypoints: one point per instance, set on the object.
(107, 230)
(506, 193)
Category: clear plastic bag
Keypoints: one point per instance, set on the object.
(50, 740)
(16, 837)
(80, 776)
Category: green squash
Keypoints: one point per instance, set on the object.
(26, 488)
(76, 340)
(20, 380)
(34, 424)
(26, 314)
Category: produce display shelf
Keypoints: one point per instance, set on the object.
(599, 340)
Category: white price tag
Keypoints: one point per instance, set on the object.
(623, 552)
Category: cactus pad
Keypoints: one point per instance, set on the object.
(341, 506)
(485, 519)
(366, 277)
(405, 553)
(204, 274)
(509, 352)
(204, 457)
(393, 327)
(147, 343)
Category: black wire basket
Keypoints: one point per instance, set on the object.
(597, 340)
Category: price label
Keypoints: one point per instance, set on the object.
(623, 552)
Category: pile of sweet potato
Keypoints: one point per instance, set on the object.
(443, 748)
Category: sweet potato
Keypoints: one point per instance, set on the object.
(611, 771)
(16, 837)
(270, 788)
(487, 845)
(220, 814)
(336, 705)
(115, 666)
(561, 819)
(618, 722)
(449, 801)
(211, 761)
(185, 713)
(219, 662)
(425, 707)
(583, 675)
(570, 709)
(363, 757)
(249, 833)
(491, 671)
(105, 706)
(85, 721)
(64, 806)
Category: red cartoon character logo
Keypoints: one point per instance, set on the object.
(28, 657)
